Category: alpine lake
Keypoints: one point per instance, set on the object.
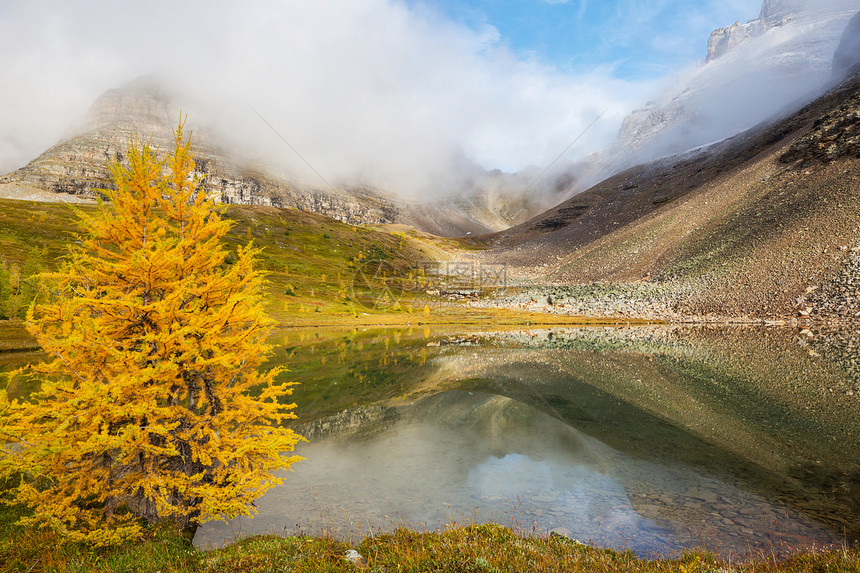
(739, 440)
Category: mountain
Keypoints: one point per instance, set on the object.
(78, 166)
(774, 14)
(763, 69)
(754, 71)
(75, 168)
(767, 68)
(754, 225)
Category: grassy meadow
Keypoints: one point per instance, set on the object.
(315, 265)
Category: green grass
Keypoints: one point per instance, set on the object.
(311, 262)
(310, 259)
(471, 548)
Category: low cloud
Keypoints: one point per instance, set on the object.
(375, 91)
(384, 92)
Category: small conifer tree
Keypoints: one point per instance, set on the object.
(153, 406)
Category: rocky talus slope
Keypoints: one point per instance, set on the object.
(834, 135)
(840, 346)
(838, 297)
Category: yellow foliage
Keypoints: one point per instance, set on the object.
(154, 406)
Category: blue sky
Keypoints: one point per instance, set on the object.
(635, 38)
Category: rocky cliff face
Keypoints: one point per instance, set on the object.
(643, 124)
(774, 14)
(778, 12)
(725, 39)
(75, 169)
(143, 103)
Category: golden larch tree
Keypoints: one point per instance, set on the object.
(153, 406)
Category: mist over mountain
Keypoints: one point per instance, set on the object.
(847, 55)
(784, 59)
(79, 166)
(388, 129)
(381, 93)
(753, 72)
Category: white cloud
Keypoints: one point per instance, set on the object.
(369, 89)
(583, 6)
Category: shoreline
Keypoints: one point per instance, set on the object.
(473, 548)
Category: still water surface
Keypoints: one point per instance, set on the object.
(653, 439)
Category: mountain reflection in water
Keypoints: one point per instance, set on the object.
(652, 439)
